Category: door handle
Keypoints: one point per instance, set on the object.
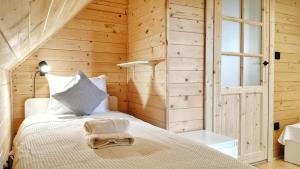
(265, 63)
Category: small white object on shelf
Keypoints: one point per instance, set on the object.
(224, 144)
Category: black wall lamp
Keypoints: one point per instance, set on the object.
(43, 70)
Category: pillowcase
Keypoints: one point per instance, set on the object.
(100, 82)
(82, 97)
(58, 84)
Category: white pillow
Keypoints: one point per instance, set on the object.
(58, 84)
(100, 82)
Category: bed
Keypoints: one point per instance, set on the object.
(57, 142)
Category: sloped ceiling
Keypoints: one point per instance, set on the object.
(26, 24)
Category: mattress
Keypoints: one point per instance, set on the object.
(58, 142)
(291, 132)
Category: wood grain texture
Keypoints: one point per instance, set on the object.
(276, 164)
(242, 111)
(147, 41)
(185, 64)
(82, 44)
(26, 25)
(287, 69)
(228, 119)
(5, 116)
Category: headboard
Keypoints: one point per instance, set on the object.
(40, 105)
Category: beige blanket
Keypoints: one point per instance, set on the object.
(45, 142)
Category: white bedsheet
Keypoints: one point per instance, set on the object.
(291, 132)
(57, 142)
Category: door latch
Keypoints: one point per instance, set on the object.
(265, 63)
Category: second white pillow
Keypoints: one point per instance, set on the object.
(100, 82)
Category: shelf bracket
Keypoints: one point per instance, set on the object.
(133, 64)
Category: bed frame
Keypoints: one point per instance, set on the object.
(40, 105)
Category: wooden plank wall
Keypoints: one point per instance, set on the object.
(147, 41)
(5, 116)
(287, 69)
(185, 68)
(94, 41)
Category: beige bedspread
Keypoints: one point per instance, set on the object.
(58, 142)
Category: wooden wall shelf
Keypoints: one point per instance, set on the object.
(140, 62)
(151, 63)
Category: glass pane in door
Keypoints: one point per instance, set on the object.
(231, 8)
(231, 34)
(252, 39)
(252, 71)
(253, 10)
(230, 71)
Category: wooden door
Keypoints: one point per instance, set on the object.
(241, 75)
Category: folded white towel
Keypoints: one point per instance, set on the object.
(98, 141)
(106, 126)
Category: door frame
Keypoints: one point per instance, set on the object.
(210, 46)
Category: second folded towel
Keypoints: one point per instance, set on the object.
(106, 126)
(98, 141)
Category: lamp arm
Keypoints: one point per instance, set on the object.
(34, 77)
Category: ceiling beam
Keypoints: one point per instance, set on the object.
(61, 11)
(6, 41)
(47, 18)
(29, 23)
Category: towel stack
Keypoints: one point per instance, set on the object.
(103, 133)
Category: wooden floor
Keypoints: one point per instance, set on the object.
(277, 164)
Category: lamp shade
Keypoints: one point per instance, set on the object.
(43, 68)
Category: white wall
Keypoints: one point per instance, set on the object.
(5, 116)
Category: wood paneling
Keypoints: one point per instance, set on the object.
(5, 116)
(228, 119)
(25, 25)
(287, 69)
(94, 42)
(185, 67)
(253, 133)
(147, 41)
(178, 86)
